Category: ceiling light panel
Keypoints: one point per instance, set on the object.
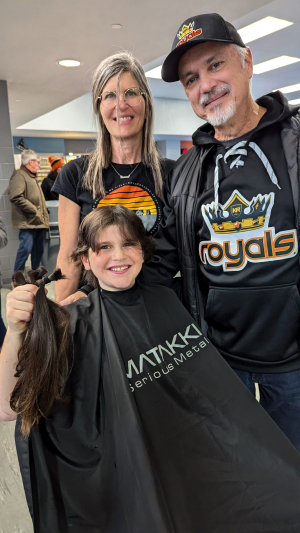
(294, 102)
(289, 88)
(272, 64)
(261, 28)
(69, 63)
(154, 72)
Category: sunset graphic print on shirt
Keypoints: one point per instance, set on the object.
(137, 198)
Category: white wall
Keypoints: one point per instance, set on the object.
(172, 117)
(175, 117)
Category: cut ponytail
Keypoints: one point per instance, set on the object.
(44, 357)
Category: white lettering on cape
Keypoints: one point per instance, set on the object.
(132, 367)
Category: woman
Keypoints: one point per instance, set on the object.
(142, 428)
(125, 166)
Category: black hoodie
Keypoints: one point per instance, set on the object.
(248, 246)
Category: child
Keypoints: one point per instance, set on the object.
(148, 430)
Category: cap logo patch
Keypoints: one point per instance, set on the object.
(187, 33)
(185, 29)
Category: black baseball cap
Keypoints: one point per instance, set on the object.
(196, 30)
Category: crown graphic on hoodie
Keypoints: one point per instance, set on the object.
(239, 215)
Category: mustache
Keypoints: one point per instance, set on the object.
(214, 92)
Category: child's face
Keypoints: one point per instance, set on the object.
(117, 263)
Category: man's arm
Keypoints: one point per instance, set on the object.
(16, 194)
(68, 222)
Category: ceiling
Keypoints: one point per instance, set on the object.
(35, 34)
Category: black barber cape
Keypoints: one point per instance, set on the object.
(159, 436)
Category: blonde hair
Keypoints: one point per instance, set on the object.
(101, 158)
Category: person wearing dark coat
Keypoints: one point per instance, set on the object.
(230, 223)
(56, 165)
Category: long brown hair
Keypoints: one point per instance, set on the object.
(44, 359)
(101, 157)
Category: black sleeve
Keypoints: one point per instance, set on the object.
(86, 289)
(68, 179)
(165, 264)
(166, 166)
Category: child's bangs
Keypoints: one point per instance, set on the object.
(129, 234)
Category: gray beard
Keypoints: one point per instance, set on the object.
(219, 116)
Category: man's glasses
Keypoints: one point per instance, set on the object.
(132, 97)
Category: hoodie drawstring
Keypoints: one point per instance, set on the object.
(239, 151)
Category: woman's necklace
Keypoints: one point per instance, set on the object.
(126, 177)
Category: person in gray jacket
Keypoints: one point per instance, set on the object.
(29, 211)
(231, 216)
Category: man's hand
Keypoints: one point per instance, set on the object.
(73, 298)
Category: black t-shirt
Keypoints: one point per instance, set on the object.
(248, 251)
(136, 192)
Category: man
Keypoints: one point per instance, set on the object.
(29, 212)
(231, 216)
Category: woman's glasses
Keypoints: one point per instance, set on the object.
(132, 97)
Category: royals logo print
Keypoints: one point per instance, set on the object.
(240, 233)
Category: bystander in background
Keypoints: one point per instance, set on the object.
(29, 211)
(56, 165)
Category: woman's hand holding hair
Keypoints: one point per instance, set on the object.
(73, 298)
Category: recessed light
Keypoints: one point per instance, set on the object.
(154, 72)
(262, 27)
(289, 88)
(272, 64)
(69, 63)
(18, 100)
(116, 26)
(295, 102)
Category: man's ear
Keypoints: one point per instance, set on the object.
(249, 63)
(85, 262)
